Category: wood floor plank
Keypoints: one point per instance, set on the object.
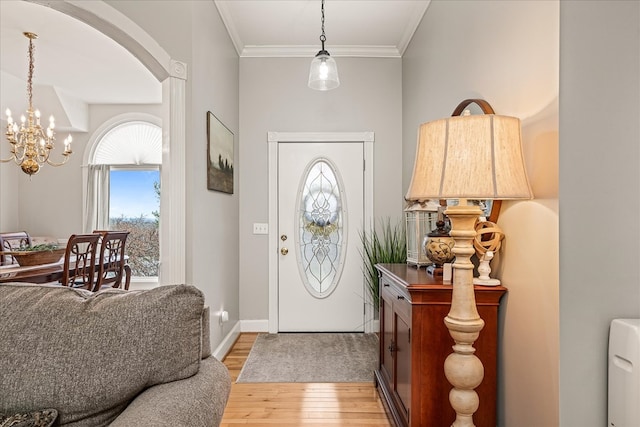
(298, 404)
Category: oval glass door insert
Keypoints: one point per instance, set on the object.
(321, 228)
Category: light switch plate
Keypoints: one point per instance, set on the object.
(260, 228)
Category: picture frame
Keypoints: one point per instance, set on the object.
(219, 155)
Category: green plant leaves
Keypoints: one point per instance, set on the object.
(386, 244)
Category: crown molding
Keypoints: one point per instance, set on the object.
(310, 51)
(225, 14)
(412, 27)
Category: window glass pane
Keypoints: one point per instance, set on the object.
(320, 229)
(134, 206)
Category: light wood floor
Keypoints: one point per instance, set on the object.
(298, 404)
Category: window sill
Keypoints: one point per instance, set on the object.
(140, 283)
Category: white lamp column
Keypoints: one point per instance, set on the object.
(462, 368)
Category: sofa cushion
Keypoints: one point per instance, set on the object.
(87, 355)
(43, 418)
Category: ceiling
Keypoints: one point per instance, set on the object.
(371, 28)
(76, 65)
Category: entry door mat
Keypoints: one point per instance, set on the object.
(311, 358)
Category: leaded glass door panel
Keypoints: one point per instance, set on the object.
(320, 210)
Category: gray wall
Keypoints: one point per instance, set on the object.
(507, 54)
(274, 97)
(212, 234)
(193, 32)
(599, 166)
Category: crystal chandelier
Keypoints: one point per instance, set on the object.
(30, 143)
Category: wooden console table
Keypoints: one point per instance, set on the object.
(414, 343)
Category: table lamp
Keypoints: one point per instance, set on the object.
(467, 157)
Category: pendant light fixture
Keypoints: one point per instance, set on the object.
(323, 74)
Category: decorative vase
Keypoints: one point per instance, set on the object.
(437, 246)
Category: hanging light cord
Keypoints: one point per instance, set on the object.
(323, 38)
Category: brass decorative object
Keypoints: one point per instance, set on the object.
(31, 145)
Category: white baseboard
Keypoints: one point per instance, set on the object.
(263, 325)
(227, 342)
(254, 325)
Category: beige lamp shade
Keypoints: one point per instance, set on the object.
(470, 157)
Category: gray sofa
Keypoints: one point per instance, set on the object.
(118, 358)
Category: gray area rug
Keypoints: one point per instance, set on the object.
(311, 358)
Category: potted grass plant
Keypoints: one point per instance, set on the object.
(386, 244)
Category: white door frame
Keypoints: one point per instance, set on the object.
(273, 139)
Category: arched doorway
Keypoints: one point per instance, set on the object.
(172, 74)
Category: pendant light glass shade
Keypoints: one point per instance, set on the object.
(323, 74)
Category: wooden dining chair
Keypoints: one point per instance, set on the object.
(12, 242)
(80, 261)
(113, 271)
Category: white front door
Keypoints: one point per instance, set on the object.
(320, 215)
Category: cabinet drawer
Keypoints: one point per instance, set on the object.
(400, 300)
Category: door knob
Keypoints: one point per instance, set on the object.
(284, 251)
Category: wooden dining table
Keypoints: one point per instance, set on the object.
(45, 273)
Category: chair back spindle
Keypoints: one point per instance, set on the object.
(12, 242)
(81, 251)
(112, 267)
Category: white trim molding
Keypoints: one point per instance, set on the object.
(273, 139)
(227, 342)
(173, 243)
(250, 51)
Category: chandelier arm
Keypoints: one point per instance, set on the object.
(65, 160)
(42, 155)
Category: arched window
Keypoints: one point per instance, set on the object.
(123, 189)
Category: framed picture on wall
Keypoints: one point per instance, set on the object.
(219, 155)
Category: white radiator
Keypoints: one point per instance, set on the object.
(624, 373)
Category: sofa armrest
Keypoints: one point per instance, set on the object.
(197, 401)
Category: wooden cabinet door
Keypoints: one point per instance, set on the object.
(387, 338)
(403, 361)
